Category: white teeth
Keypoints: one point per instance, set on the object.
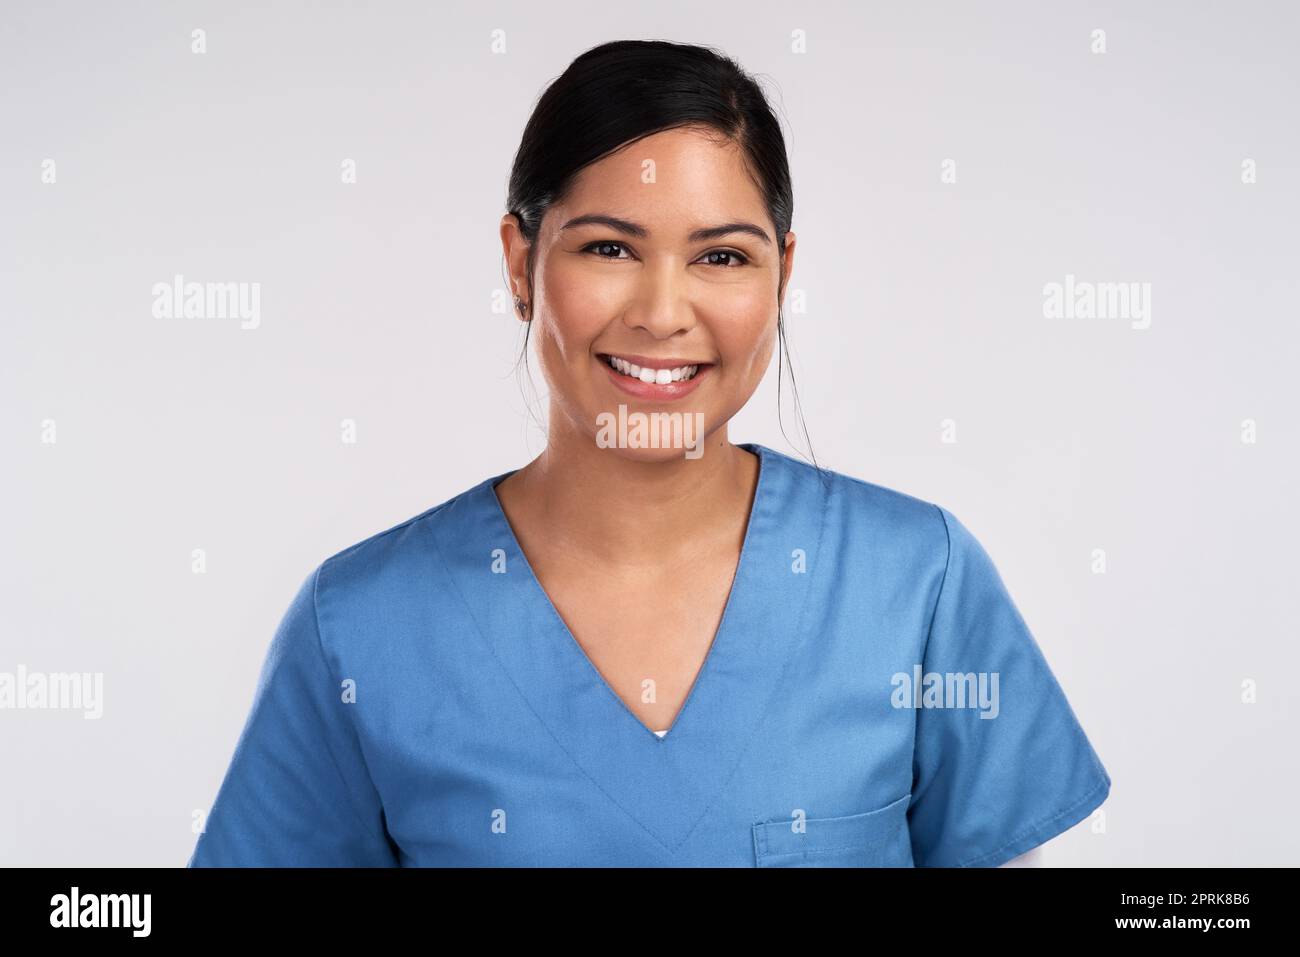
(656, 376)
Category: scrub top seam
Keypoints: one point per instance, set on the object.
(427, 513)
(709, 665)
(1038, 826)
(874, 487)
(947, 564)
(324, 658)
(790, 656)
(528, 704)
(929, 631)
(1103, 781)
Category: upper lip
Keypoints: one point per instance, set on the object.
(650, 362)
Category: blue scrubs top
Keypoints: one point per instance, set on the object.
(423, 703)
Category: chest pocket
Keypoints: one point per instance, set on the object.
(876, 838)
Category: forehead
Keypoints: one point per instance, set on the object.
(671, 181)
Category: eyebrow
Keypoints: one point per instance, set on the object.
(639, 231)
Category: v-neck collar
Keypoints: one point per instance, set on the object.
(666, 784)
(583, 658)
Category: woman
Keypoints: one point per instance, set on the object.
(650, 646)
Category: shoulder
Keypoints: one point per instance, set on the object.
(394, 557)
(876, 512)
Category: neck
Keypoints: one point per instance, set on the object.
(620, 511)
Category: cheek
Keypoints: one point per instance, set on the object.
(746, 335)
(572, 313)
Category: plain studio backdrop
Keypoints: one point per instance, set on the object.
(169, 482)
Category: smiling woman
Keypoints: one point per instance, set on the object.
(655, 275)
(626, 654)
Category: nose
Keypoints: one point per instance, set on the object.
(660, 303)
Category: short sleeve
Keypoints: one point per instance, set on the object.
(1011, 768)
(297, 792)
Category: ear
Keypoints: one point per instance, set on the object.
(787, 264)
(515, 249)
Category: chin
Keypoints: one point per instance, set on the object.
(655, 435)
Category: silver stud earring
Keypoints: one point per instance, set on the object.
(521, 306)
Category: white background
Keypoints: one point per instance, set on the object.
(924, 303)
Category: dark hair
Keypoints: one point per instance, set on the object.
(624, 90)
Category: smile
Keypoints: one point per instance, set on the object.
(655, 375)
(654, 380)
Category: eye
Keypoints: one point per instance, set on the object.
(740, 257)
(604, 244)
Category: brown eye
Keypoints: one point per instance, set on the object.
(601, 248)
(739, 257)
